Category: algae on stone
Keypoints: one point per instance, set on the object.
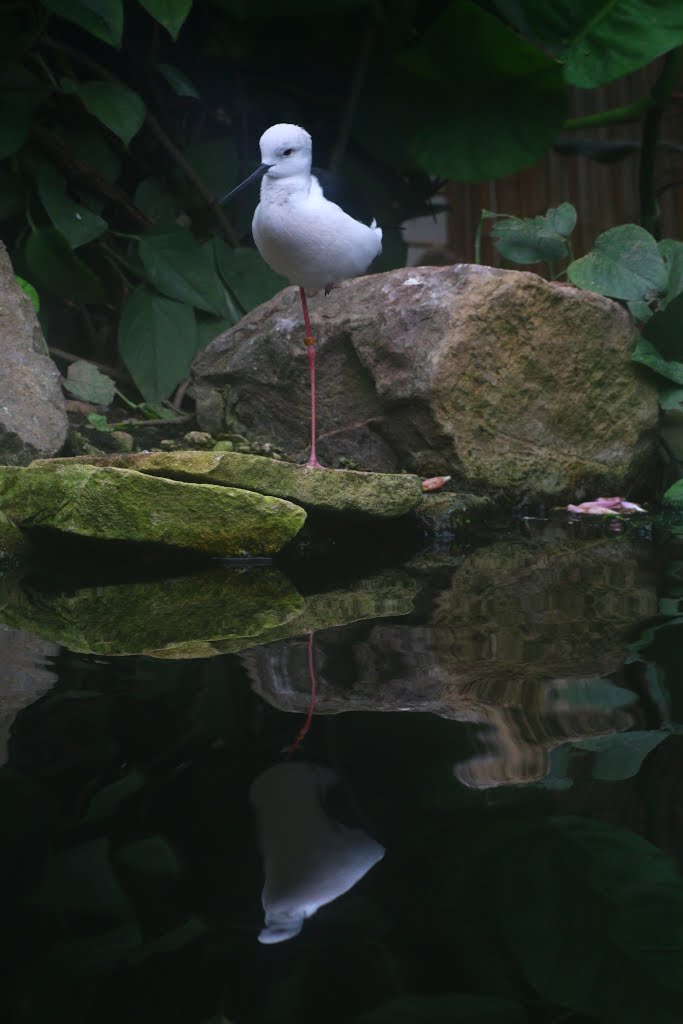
(122, 505)
(150, 616)
(14, 544)
(385, 495)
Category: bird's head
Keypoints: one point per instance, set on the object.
(286, 149)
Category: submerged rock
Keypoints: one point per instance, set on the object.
(502, 380)
(381, 495)
(107, 504)
(33, 420)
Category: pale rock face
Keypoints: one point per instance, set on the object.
(33, 420)
(309, 859)
(505, 382)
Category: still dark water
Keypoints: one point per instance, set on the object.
(443, 788)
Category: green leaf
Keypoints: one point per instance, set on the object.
(178, 80)
(671, 400)
(180, 268)
(107, 800)
(532, 239)
(116, 106)
(446, 1009)
(593, 915)
(80, 880)
(99, 422)
(647, 354)
(215, 161)
(29, 290)
(156, 202)
(458, 72)
(89, 143)
(672, 254)
(77, 223)
(621, 755)
(599, 40)
(625, 264)
(247, 275)
(11, 194)
(673, 497)
(169, 13)
(157, 342)
(101, 18)
(597, 693)
(209, 328)
(85, 381)
(55, 267)
(21, 93)
(151, 856)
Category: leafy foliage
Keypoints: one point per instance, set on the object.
(120, 124)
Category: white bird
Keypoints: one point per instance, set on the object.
(300, 233)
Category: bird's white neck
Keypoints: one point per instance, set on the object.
(280, 190)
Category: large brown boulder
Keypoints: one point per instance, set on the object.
(507, 382)
(33, 421)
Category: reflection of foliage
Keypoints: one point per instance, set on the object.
(117, 133)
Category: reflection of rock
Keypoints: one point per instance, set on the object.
(156, 616)
(26, 676)
(515, 622)
(309, 859)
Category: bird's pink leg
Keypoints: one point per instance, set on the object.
(310, 344)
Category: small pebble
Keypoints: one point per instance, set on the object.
(122, 441)
(198, 439)
(167, 444)
(224, 446)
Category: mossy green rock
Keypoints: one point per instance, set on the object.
(385, 495)
(112, 504)
(140, 618)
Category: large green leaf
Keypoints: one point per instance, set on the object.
(54, 266)
(673, 497)
(89, 143)
(449, 107)
(625, 263)
(532, 239)
(77, 223)
(215, 161)
(160, 205)
(179, 267)
(169, 13)
(594, 917)
(672, 254)
(11, 194)
(116, 106)
(101, 18)
(157, 342)
(647, 354)
(20, 94)
(246, 274)
(446, 1009)
(178, 80)
(621, 755)
(599, 40)
(661, 346)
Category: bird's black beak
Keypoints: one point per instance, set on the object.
(256, 176)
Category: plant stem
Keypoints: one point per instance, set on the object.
(660, 95)
(630, 112)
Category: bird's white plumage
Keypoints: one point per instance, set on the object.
(299, 233)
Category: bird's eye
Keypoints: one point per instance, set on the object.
(287, 152)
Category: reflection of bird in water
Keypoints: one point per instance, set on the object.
(309, 858)
(300, 233)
